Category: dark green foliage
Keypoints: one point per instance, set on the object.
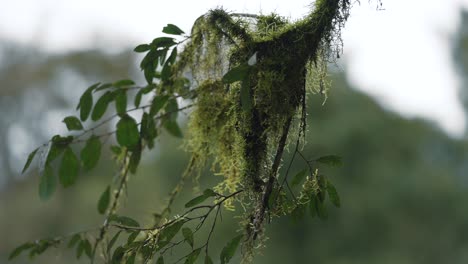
(201, 198)
(158, 103)
(127, 132)
(104, 201)
(142, 48)
(230, 249)
(72, 123)
(121, 102)
(172, 29)
(123, 83)
(101, 105)
(90, 153)
(86, 102)
(69, 168)
(17, 251)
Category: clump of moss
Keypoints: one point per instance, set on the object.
(246, 145)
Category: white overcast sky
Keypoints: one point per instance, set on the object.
(401, 56)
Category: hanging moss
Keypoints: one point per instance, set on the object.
(246, 146)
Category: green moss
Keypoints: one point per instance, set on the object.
(292, 59)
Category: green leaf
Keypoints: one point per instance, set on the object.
(69, 168)
(163, 42)
(29, 160)
(230, 249)
(80, 250)
(208, 260)
(131, 259)
(238, 73)
(103, 87)
(200, 199)
(172, 109)
(135, 159)
(299, 177)
(172, 29)
(17, 251)
(169, 232)
(123, 83)
(101, 105)
(158, 103)
(192, 257)
(127, 221)
(245, 96)
(173, 128)
(121, 102)
(160, 260)
(148, 129)
(113, 240)
(142, 48)
(75, 238)
(188, 235)
(47, 183)
(87, 247)
(54, 151)
(132, 237)
(333, 194)
(331, 160)
(118, 255)
(162, 56)
(172, 58)
(127, 132)
(209, 193)
(138, 96)
(148, 71)
(104, 201)
(86, 102)
(72, 123)
(195, 201)
(91, 152)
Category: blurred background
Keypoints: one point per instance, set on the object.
(396, 114)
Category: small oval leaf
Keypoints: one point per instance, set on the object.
(91, 153)
(69, 168)
(104, 201)
(142, 48)
(172, 29)
(72, 123)
(101, 105)
(127, 132)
